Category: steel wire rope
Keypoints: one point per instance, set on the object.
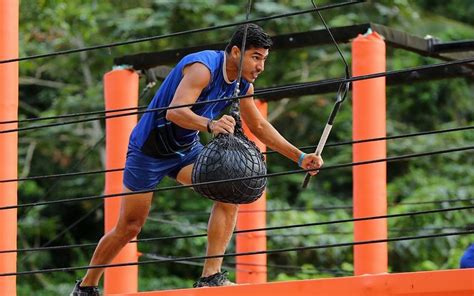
(45, 247)
(257, 93)
(192, 263)
(202, 226)
(70, 115)
(342, 207)
(276, 266)
(401, 136)
(337, 166)
(392, 230)
(207, 213)
(340, 98)
(236, 232)
(75, 174)
(268, 252)
(261, 93)
(304, 209)
(97, 112)
(145, 91)
(186, 32)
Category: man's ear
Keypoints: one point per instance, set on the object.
(235, 52)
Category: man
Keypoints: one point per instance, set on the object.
(167, 143)
(467, 259)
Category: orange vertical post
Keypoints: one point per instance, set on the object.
(252, 269)
(121, 91)
(9, 21)
(369, 181)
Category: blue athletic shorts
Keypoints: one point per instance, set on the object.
(143, 172)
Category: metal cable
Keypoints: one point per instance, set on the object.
(187, 262)
(147, 240)
(276, 266)
(396, 230)
(317, 209)
(268, 252)
(261, 93)
(345, 165)
(75, 174)
(333, 40)
(181, 33)
(424, 133)
(340, 98)
(71, 115)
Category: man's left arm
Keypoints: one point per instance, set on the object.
(266, 133)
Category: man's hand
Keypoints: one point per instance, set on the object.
(225, 125)
(312, 161)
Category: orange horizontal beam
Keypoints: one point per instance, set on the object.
(456, 282)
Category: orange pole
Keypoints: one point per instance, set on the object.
(252, 269)
(9, 21)
(370, 190)
(121, 91)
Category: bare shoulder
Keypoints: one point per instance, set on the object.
(197, 73)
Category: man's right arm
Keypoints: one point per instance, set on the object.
(195, 78)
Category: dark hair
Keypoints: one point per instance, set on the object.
(256, 38)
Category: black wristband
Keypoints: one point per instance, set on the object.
(209, 126)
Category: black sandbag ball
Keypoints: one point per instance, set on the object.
(230, 156)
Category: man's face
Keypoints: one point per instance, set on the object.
(254, 63)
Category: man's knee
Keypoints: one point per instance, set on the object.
(130, 229)
(227, 207)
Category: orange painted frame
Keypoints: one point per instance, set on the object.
(456, 282)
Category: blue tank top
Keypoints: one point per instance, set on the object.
(467, 260)
(155, 136)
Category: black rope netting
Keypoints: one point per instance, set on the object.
(230, 156)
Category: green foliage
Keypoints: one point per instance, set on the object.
(73, 83)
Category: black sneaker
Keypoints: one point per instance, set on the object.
(215, 280)
(84, 291)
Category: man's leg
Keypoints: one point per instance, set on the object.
(221, 225)
(133, 213)
(219, 232)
